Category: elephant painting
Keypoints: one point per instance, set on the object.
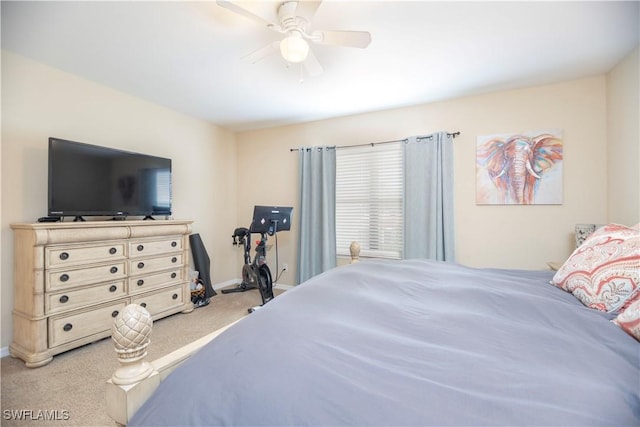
(512, 168)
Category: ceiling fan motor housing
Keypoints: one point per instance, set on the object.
(289, 21)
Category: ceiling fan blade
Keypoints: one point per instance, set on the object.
(312, 66)
(359, 39)
(244, 11)
(307, 8)
(263, 52)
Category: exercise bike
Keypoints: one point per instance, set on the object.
(255, 273)
(267, 220)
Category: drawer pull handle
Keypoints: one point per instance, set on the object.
(114, 270)
(143, 305)
(112, 251)
(174, 259)
(114, 313)
(64, 256)
(174, 244)
(67, 327)
(113, 288)
(64, 277)
(140, 248)
(173, 275)
(174, 296)
(141, 265)
(140, 282)
(64, 299)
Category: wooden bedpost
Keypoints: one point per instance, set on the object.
(355, 252)
(135, 379)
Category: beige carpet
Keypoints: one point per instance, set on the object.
(74, 382)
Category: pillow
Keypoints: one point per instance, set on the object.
(629, 319)
(604, 272)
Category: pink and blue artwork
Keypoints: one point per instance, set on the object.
(519, 169)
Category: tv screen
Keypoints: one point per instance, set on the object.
(90, 180)
(271, 219)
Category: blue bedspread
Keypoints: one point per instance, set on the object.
(411, 343)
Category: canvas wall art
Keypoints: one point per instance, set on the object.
(519, 169)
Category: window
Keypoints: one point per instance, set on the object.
(163, 188)
(369, 200)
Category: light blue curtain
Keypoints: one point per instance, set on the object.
(317, 244)
(428, 198)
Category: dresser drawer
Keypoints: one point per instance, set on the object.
(149, 265)
(68, 278)
(60, 256)
(139, 248)
(71, 299)
(67, 328)
(146, 283)
(156, 302)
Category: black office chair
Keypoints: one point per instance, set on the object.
(202, 264)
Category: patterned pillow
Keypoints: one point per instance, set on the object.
(604, 272)
(629, 319)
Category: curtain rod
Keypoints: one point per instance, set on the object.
(453, 134)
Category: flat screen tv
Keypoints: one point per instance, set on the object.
(90, 180)
(271, 219)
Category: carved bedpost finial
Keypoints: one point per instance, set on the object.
(131, 333)
(354, 248)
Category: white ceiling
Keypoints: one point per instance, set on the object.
(188, 55)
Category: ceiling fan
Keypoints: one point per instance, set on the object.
(294, 23)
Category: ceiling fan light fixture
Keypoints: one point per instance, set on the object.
(294, 48)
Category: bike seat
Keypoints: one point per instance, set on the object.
(240, 232)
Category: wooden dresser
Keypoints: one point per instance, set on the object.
(72, 278)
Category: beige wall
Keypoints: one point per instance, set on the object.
(487, 236)
(623, 162)
(38, 102)
(212, 164)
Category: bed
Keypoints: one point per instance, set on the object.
(411, 343)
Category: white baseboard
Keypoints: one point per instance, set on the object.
(218, 286)
(4, 352)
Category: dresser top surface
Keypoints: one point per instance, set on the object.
(98, 224)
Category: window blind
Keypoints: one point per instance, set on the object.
(163, 188)
(369, 200)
